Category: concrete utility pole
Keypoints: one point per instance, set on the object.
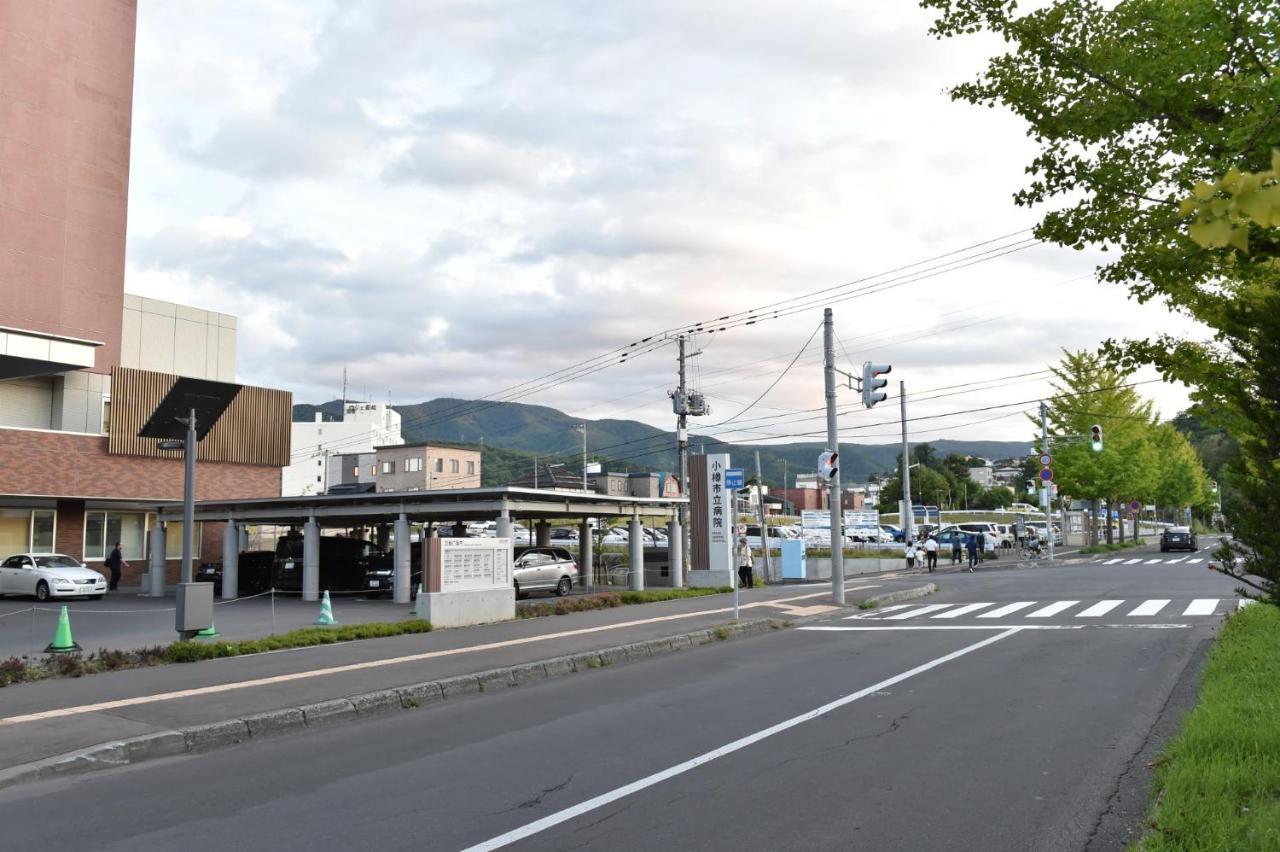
(682, 460)
(764, 530)
(1045, 504)
(908, 514)
(833, 445)
(582, 427)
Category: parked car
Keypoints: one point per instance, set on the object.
(616, 535)
(543, 569)
(380, 575)
(894, 532)
(1023, 508)
(344, 563)
(1005, 533)
(564, 535)
(776, 536)
(954, 531)
(50, 575)
(1178, 538)
(253, 572)
(1042, 530)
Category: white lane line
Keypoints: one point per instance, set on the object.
(1052, 609)
(879, 611)
(552, 820)
(1133, 562)
(1113, 561)
(919, 611)
(1194, 561)
(1153, 561)
(963, 610)
(1151, 607)
(1244, 602)
(1176, 561)
(1201, 606)
(1099, 609)
(1007, 609)
(134, 701)
(869, 629)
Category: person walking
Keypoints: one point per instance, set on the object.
(956, 550)
(931, 553)
(746, 564)
(911, 555)
(971, 546)
(115, 562)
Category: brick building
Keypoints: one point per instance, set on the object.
(82, 364)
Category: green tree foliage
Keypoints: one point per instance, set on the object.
(1180, 480)
(1138, 106)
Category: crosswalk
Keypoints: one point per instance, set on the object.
(1152, 608)
(1141, 560)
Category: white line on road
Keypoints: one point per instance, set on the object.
(614, 795)
(919, 611)
(1201, 606)
(1194, 561)
(1052, 609)
(1151, 607)
(963, 610)
(1153, 561)
(1099, 609)
(1176, 561)
(880, 610)
(1007, 610)
(1133, 562)
(844, 628)
(1113, 561)
(1244, 602)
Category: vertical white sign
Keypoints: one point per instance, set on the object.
(721, 517)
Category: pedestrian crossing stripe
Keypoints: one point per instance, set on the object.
(1161, 561)
(1048, 609)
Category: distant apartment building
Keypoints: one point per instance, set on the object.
(634, 484)
(350, 470)
(364, 425)
(427, 466)
(984, 475)
(82, 363)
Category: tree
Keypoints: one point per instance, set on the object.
(1138, 107)
(1180, 480)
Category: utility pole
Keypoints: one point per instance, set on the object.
(1045, 504)
(833, 445)
(764, 530)
(908, 514)
(682, 460)
(582, 427)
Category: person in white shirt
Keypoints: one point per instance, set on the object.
(931, 552)
(911, 555)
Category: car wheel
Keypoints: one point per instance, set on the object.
(42, 591)
(517, 585)
(564, 586)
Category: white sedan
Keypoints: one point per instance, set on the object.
(49, 575)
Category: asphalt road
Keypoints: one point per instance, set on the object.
(1019, 731)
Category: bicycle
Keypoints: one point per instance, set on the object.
(1025, 552)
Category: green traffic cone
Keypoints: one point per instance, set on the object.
(209, 632)
(326, 612)
(62, 642)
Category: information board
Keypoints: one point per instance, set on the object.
(474, 563)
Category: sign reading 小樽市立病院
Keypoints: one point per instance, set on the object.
(721, 517)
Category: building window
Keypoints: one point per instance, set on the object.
(388, 467)
(103, 529)
(173, 541)
(26, 530)
(453, 465)
(106, 416)
(439, 465)
(471, 467)
(373, 471)
(412, 465)
(355, 471)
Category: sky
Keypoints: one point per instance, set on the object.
(455, 199)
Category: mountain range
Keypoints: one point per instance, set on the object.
(551, 436)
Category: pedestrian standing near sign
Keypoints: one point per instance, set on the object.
(115, 562)
(746, 564)
(931, 552)
(971, 545)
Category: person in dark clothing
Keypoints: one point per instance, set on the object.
(115, 562)
(971, 545)
(957, 549)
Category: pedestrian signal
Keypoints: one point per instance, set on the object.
(827, 465)
(1096, 438)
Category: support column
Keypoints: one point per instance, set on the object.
(402, 559)
(244, 536)
(311, 560)
(502, 529)
(675, 552)
(230, 561)
(635, 540)
(586, 556)
(156, 563)
(428, 533)
(542, 534)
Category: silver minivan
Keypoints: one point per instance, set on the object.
(543, 569)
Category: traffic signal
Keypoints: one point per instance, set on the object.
(827, 465)
(871, 383)
(1096, 438)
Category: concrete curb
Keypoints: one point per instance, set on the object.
(213, 735)
(903, 595)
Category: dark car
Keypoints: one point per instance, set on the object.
(543, 568)
(380, 577)
(253, 572)
(344, 563)
(1178, 538)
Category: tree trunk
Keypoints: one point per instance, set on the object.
(1137, 516)
(1093, 523)
(1121, 530)
(1111, 535)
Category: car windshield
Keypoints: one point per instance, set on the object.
(56, 562)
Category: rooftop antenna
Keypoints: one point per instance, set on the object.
(344, 393)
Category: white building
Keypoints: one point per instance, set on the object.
(364, 425)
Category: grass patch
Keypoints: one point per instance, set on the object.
(655, 595)
(1113, 547)
(19, 670)
(1218, 781)
(609, 600)
(866, 605)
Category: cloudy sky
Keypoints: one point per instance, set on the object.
(457, 198)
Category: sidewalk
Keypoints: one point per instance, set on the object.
(46, 719)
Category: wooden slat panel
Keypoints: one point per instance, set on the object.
(253, 430)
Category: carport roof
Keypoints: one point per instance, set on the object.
(454, 504)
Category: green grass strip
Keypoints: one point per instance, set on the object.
(655, 595)
(191, 651)
(1218, 782)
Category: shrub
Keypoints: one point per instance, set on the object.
(12, 670)
(68, 665)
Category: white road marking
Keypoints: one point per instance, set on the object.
(1153, 561)
(1176, 561)
(1194, 561)
(1133, 562)
(1113, 561)
(614, 795)
(919, 611)
(963, 610)
(1244, 602)
(1052, 609)
(1007, 609)
(1099, 609)
(1201, 606)
(1151, 607)
(868, 629)
(879, 610)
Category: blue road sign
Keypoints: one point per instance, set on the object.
(735, 478)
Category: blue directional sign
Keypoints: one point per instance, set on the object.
(735, 478)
